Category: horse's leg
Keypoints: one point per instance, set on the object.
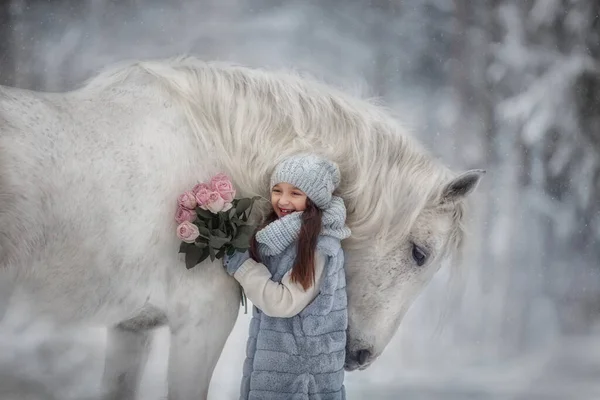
(126, 355)
(128, 346)
(202, 311)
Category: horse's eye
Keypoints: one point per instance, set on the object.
(418, 255)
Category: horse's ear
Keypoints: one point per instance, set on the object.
(463, 185)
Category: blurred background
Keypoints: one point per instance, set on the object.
(511, 86)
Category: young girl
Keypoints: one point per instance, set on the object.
(294, 275)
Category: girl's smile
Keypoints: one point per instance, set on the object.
(286, 199)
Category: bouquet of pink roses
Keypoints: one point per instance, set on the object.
(212, 222)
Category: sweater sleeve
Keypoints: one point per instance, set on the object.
(285, 299)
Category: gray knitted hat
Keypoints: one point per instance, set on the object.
(314, 175)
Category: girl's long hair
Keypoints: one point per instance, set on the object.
(303, 270)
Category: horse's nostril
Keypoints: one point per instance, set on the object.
(363, 356)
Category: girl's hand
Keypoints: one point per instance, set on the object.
(232, 263)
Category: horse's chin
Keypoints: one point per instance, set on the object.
(352, 365)
(349, 367)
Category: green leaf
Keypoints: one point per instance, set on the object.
(204, 255)
(242, 241)
(218, 242)
(211, 252)
(247, 229)
(201, 245)
(225, 215)
(204, 232)
(184, 246)
(231, 213)
(247, 215)
(218, 233)
(191, 256)
(220, 253)
(204, 213)
(221, 221)
(230, 250)
(249, 212)
(242, 205)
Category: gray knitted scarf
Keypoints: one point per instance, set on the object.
(279, 234)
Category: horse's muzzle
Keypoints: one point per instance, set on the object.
(360, 359)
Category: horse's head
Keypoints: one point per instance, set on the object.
(384, 278)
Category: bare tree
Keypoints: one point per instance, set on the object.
(543, 76)
(6, 57)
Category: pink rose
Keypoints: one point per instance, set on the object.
(202, 196)
(220, 177)
(187, 200)
(215, 202)
(222, 184)
(183, 214)
(227, 207)
(200, 186)
(187, 232)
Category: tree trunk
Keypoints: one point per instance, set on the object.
(7, 65)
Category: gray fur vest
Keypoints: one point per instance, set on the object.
(302, 357)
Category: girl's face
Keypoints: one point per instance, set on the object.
(286, 199)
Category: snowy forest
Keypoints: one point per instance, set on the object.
(510, 86)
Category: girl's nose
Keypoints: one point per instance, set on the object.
(284, 200)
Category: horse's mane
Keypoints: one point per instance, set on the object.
(262, 116)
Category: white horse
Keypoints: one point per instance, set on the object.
(89, 178)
